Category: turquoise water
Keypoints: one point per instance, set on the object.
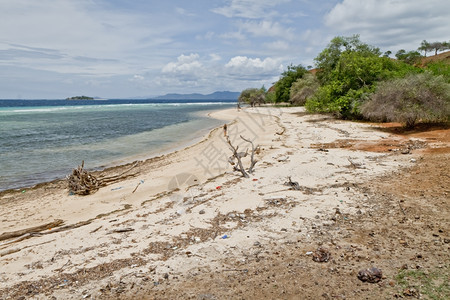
(40, 143)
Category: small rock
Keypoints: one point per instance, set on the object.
(284, 229)
(202, 212)
(256, 244)
(405, 151)
(411, 292)
(446, 241)
(321, 255)
(372, 275)
(166, 276)
(232, 215)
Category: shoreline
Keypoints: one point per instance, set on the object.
(159, 170)
(144, 157)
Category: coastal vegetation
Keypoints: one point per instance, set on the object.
(80, 98)
(355, 80)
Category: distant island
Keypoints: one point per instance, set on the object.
(80, 98)
(214, 96)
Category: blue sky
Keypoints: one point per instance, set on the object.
(121, 48)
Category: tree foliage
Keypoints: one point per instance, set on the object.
(349, 70)
(303, 88)
(288, 77)
(253, 96)
(328, 59)
(416, 97)
(410, 57)
(434, 46)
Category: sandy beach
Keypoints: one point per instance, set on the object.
(185, 225)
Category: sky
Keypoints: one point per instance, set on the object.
(143, 48)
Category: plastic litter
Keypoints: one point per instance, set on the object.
(117, 188)
(225, 236)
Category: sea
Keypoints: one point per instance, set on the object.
(43, 140)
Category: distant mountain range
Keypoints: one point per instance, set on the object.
(214, 96)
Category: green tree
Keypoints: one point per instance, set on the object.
(387, 53)
(283, 85)
(411, 57)
(414, 98)
(328, 59)
(425, 47)
(349, 71)
(303, 88)
(252, 96)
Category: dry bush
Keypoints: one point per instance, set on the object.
(303, 88)
(415, 98)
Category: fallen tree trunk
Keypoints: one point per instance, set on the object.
(13, 234)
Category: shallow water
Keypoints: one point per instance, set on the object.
(44, 142)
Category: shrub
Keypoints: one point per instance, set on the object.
(303, 89)
(283, 85)
(417, 97)
(252, 96)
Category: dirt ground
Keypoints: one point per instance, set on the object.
(401, 227)
(404, 231)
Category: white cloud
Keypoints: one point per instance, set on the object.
(185, 64)
(278, 45)
(391, 23)
(183, 12)
(215, 57)
(267, 29)
(251, 9)
(250, 66)
(234, 35)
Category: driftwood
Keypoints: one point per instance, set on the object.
(252, 157)
(293, 184)
(239, 155)
(19, 233)
(82, 182)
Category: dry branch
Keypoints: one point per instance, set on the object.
(293, 184)
(252, 157)
(82, 182)
(239, 155)
(18, 233)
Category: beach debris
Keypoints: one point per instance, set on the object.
(293, 184)
(321, 255)
(140, 182)
(120, 230)
(237, 156)
(282, 158)
(36, 229)
(372, 275)
(224, 237)
(282, 132)
(82, 182)
(354, 164)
